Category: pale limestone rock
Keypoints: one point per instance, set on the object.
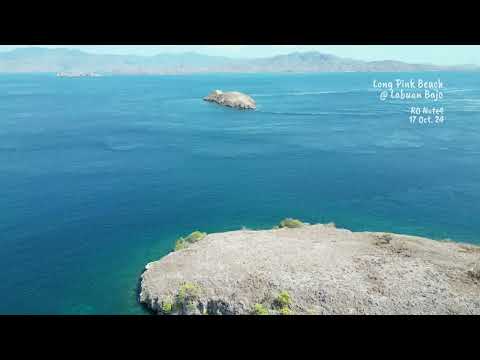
(232, 99)
(324, 269)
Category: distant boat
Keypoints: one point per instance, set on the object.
(77, 74)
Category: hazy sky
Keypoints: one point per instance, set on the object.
(436, 54)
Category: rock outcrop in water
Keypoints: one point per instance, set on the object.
(314, 269)
(232, 99)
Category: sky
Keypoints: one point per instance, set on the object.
(435, 54)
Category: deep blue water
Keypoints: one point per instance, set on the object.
(100, 175)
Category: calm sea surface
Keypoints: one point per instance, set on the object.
(100, 175)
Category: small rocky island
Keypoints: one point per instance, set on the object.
(232, 99)
(77, 74)
(298, 268)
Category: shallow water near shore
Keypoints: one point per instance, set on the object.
(101, 175)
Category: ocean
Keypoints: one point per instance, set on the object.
(100, 176)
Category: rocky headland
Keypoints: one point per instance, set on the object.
(313, 269)
(232, 99)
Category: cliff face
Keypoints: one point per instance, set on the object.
(314, 269)
(232, 99)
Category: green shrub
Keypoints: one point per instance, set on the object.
(259, 309)
(291, 223)
(283, 300)
(191, 307)
(167, 307)
(188, 293)
(187, 298)
(195, 236)
(183, 243)
(180, 244)
(285, 311)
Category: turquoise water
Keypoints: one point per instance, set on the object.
(100, 175)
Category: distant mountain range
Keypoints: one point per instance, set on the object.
(43, 60)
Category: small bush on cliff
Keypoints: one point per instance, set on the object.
(188, 293)
(259, 309)
(167, 307)
(180, 244)
(283, 300)
(285, 311)
(186, 299)
(195, 236)
(291, 223)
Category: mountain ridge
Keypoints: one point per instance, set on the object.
(46, 60)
